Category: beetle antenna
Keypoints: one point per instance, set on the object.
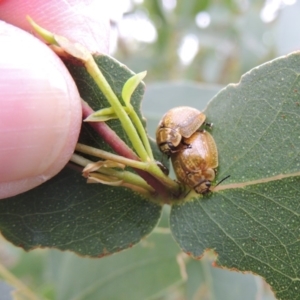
(222, 180)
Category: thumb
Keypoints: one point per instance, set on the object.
(40, 112)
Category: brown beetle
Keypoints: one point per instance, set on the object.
(195, 166)
(178, 123)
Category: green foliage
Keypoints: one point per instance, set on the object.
(187, 10)
(207, 282)
(116, 74)
(253, 225)
(69, 214)
(251, 222)
(147, 270)
(235, 41)
(151, 266)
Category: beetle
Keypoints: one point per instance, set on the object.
(178, 123)
(196, 166)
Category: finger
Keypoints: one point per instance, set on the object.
(85, 21)
(40, 112)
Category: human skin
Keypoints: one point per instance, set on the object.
(40, 109)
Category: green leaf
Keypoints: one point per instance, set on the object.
(102, 115)
(117, 75)
(69, 214)
(147, 270)
(207, 282)
(253, 224)
(130, 86)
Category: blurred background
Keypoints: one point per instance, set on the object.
(191, 49)
(206, 41)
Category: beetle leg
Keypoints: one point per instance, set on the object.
(209, 125)
(164, 169)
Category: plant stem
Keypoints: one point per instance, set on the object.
(110, 156)
(161, 183)
(129, 128)
(149, 167)
(117, 144)
(141, 130)
(126, 176)
(22, 288)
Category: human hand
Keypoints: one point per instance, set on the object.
(40, 110)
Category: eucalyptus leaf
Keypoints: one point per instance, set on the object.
(147, 270)
(207, 282)
(117, 75)
(69, 214)
(101, 118)
(130, 85)
(102, 115)
(252, 222)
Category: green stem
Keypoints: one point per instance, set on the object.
(141, 130)
(110, 156)
(129, 128)
(151, 167)
(126, 176)
(21, 287)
